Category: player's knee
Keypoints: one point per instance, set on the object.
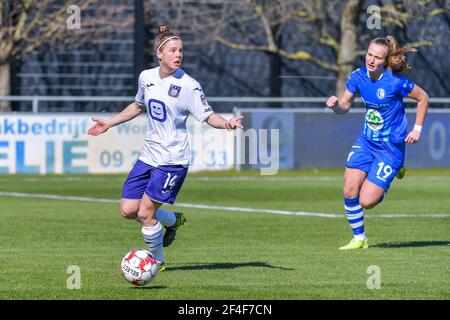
(367, 203)
(146, 212)
(142, 215)
(350, 191)
(146, 217)
(128, 212)
(128, 215)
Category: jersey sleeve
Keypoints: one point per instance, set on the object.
(352, 82)
(405, 86)
(198, 105)
(139, 98)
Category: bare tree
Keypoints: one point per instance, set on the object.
(336, 27)
(29, 24)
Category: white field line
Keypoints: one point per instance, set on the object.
(223, 208)
(293, 178)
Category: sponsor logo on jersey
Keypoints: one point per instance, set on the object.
(381, 93)
(374, 120)
(174, 91)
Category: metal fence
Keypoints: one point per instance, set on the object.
(225, 104)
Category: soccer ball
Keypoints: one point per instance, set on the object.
(139, 267)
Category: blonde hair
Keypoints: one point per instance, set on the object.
(395, 58)
(164, 35)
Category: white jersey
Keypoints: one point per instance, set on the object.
(168, 102)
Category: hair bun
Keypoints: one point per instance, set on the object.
(163, 29)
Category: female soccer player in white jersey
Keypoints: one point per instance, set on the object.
(378, 154)
(168, 95)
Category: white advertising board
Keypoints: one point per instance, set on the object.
(58, 143)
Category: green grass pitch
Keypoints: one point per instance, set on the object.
(222, 254)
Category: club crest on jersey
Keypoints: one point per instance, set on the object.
(174, 91)
(381, 93)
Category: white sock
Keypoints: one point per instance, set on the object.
(153, 237)
(361, 237)
(167, 218)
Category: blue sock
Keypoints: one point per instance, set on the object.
(167, 218)
(355, 217)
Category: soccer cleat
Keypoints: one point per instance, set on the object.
(401, 173)
(355, 244)
(161, 267)
(171, 231)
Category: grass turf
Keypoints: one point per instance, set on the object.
(220, 254)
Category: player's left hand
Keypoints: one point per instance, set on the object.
(233, 123)
(413, 137)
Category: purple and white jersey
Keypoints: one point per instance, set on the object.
(169, 101)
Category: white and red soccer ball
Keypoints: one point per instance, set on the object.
(139, 267)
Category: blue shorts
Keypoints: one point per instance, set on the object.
(161, 184)
(380, 159)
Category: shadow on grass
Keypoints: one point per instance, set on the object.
(410, 244)
(224, 265)
(150, 287)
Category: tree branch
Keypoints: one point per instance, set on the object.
(303, 55)
(266, 25)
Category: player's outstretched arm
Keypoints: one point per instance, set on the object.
(341, 105)
(218, 122)
(421, 97)
(102, 125)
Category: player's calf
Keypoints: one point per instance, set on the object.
(368, 203)
(371, 195)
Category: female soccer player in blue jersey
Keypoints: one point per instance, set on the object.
(378, 153)
(168, 95)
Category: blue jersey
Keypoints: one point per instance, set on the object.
(385, 112)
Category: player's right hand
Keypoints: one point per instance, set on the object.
(233, 123)
(332, 102)
(99, 127)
